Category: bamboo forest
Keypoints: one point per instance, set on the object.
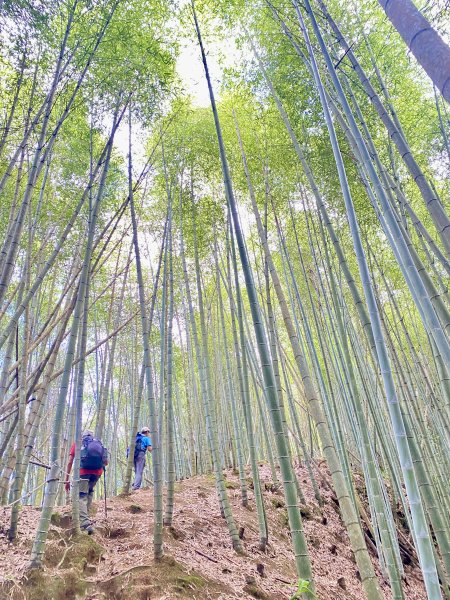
(224, 299)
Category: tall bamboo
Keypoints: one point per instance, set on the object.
(422, 535)
(295, 522)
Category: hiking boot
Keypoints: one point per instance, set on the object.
(88, 528)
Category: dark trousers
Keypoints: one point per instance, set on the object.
(139, 464)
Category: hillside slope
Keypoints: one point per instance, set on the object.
(116, 562)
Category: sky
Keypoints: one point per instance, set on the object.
(190, 70)
(220, 55)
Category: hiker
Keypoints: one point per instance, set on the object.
(93, 459)
(143, 445)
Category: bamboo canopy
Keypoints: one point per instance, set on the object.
(255, 267)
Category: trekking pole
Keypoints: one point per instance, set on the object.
(104, 487)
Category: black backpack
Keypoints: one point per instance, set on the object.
(93, 454)
(138, 447)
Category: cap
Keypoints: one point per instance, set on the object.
(145, 430)
(87, 432)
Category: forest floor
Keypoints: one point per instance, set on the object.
(116, 563)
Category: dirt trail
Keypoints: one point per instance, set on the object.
(116, 562)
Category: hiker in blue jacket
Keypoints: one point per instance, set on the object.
(143, 445)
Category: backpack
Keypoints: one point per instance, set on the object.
(93, 454)
(138, 447)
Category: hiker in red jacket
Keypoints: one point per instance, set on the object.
(93, 459)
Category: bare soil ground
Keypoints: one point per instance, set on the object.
(116, 563)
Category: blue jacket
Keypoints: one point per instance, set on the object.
(145, 442)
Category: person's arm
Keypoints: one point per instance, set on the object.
(149, 447)
(69, 469)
